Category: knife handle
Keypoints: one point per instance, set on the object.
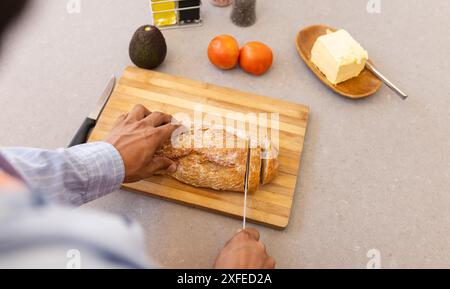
(83, 132)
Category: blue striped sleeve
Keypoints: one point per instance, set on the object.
(75, 175)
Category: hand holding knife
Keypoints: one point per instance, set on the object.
(89, 123)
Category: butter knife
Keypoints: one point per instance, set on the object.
(386, 81)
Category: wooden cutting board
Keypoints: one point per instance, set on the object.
(271, 204)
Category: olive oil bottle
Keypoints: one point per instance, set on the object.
(167, 18)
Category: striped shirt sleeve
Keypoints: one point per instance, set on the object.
(74, 175)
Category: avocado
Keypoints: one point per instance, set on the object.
(148, 47)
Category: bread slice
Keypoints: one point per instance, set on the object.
(213, 165)
(269, 166)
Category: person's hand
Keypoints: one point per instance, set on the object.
(244, 251)
(137, 136)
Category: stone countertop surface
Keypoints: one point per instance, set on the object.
(375, 174)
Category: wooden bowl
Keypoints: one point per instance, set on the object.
(361, 86)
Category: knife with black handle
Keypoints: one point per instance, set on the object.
(89, 123)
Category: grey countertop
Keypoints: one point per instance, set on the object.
(375, 172)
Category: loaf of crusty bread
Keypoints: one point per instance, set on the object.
(215, 165)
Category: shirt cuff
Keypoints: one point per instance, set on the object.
(104, 166)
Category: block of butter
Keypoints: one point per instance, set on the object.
(339, 56)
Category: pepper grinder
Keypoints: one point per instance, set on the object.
(244, 13)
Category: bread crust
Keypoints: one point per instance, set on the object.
(211, 165)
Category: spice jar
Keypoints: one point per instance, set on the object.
(188, 14)
(221, 3)
(164, 13)
(244, 13)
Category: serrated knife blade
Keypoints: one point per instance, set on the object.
(246, 180)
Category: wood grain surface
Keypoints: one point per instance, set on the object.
(271, 204)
